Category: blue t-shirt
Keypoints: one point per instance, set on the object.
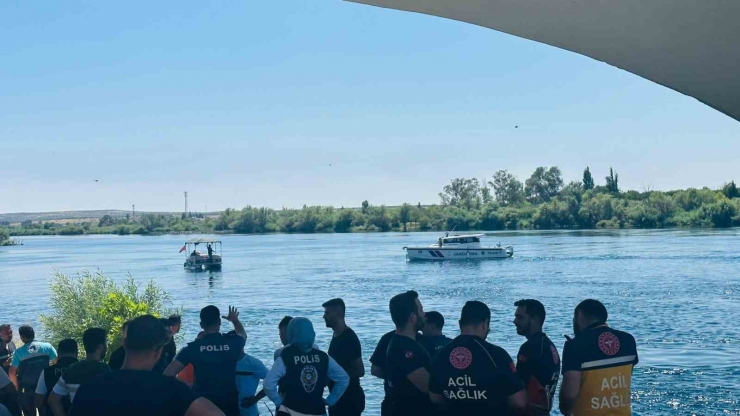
(214, 359)
(249, 372)
(33, 349)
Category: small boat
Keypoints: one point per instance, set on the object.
(197, 261)
(455, 247)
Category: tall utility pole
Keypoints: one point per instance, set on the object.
(186, 202)
(133, 212)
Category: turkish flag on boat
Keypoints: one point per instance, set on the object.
(182, 249)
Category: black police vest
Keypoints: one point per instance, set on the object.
(306, 376)
(54, 372)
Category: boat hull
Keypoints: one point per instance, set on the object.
(441, 254)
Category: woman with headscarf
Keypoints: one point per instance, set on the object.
(303, 371)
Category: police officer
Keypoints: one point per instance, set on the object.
(214, 358)
(538, 361)
(472, 377)
(303, 373)
(67, 350)
(597, 365)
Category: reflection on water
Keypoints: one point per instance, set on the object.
(677, 291)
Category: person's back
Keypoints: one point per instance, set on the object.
(135, 390)
(475, 377)
(214, 359)
(78, 374)
(67, 350)
(29, 361)
(133, 393)
(249, 372)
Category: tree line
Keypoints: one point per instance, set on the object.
(543, 201)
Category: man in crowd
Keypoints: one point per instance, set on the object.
(175, 322)
(407, 362)
(214, 359)
(434, 322)
(249, 372)
(538, 361)
(303, 371)
(597, 365)
(472, 377)
(378, 363)
(168, 354)
(346, 350)
(28, 362)
(135, 389)
(95, 343)
(7, 347)
(9, 405)
(119, 354)
(283, 330)
(67, 355)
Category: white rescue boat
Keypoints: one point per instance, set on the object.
(457, 247)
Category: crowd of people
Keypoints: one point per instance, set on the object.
(423, 371)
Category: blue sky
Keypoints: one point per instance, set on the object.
(293, 102)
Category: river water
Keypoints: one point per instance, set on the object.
(677, 291)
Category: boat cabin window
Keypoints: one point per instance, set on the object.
(476, 240)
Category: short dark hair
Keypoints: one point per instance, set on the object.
(166, 322)
(210, 315)
(534, 308)
(334, 303)
(27, 332)
(401, 306)
(285, 321)
(145, 333)
(593, 309)
(125, 325)
(175, 319)
(92, 338)
(67, 346)
(474, 312)
(435, 318)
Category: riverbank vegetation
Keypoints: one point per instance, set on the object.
(93, 300)
(543, 201)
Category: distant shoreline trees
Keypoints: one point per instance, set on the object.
(542, 202)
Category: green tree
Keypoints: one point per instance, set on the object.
(461, 192)
(612, 182)
(106, 221)
(544, 184)
(95, 300)
(4, 236)
(507, 188)
(588, 180)
(485, 192)
(730, 190)
(365, 206)
(404, 215)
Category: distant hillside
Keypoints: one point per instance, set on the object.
(17, 217)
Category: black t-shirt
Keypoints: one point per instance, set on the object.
(117, 358)
(404, 357)
(381, 350)
(436, 344)
(475, 377)
(345, 349)
(132, 392)
(214, 359)
(538, 365)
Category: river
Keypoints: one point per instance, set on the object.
(677, 291)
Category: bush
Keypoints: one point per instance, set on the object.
(94, 300)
